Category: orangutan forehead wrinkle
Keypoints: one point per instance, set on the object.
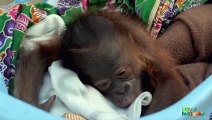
(105, 62)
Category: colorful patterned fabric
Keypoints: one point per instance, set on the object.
(156, 14)
(73, 116)
(13, 25)
(67, 9)
(166, 12)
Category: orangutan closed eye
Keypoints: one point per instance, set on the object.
(113, 53)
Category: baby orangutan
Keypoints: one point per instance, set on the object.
(114, 53)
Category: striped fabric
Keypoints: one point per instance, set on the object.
(73, 116)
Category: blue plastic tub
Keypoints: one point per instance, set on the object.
(200, 100)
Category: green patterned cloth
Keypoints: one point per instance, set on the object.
(167, 11)
(13, 25)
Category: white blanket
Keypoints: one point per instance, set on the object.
(75, 97)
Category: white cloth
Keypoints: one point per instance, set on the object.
(50, 27)
(75, 97)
